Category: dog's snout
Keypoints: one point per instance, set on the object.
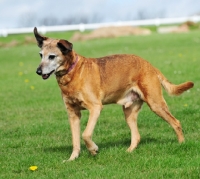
(39, 70)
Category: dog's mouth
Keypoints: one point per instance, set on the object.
(46, 76)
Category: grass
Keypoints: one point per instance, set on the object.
(34, 127)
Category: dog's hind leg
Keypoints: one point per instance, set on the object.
(161, 109)
(154, 98)
(131, 114)
(94, 113)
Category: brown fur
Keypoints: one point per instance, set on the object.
(90, 83)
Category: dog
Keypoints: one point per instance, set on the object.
(90, 83)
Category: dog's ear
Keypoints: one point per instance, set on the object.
(64, 46)
(39, 38)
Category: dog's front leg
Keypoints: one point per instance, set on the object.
(94, 113)
(74, 115)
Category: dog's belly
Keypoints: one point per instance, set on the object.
(125, 99)
(128, 99)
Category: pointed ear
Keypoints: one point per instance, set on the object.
(64, 46)
(39, 38)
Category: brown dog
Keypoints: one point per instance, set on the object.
(88, 83)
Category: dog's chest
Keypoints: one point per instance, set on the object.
(72, 96)
(73, 99)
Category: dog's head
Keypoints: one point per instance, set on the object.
(54, 54)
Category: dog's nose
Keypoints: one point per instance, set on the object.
(39, 71)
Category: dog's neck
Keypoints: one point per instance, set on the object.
(64, 72)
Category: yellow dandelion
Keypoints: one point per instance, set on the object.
(26, 80)
(185, 105)
(20, 73)
(33, 168)
(21, 64)
(32, 87)
(180, 55)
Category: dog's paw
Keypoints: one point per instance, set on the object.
(131, 148)
(93, 150)
(181, 139)
(73, 156)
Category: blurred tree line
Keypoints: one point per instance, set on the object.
(30, 19)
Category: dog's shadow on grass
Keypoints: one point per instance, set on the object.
(59, 149)
(144, 141)
(112, 143)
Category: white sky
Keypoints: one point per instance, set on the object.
(12, 12)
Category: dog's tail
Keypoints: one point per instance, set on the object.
(173, 89)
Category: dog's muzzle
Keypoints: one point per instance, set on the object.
(44, 76)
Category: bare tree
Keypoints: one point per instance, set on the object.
(28, 19)
(75, 20)
(144, 14)
(49, 21)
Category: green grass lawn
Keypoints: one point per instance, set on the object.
(34, 127)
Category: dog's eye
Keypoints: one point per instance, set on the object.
(40, 55)
(51, 57)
